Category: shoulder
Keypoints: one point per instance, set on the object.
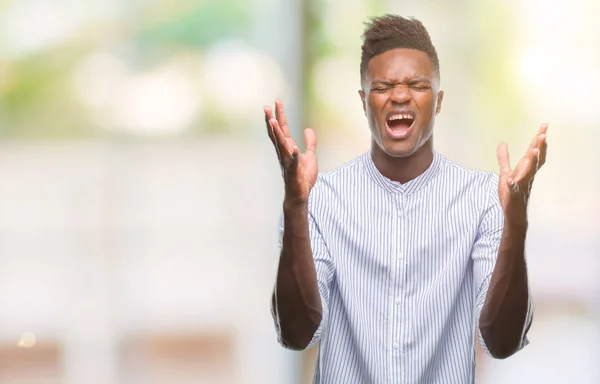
(342, 177)
(475, 180)
(336, 185)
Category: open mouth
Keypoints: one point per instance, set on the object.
(399, 125)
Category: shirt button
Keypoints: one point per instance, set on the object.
(397, 300)
(396, 346)
(400, 255)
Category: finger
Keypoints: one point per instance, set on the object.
(272, 135)
(513, 186)
(534, 162)
(268, 111)
(280, 115)
(541, 131)
(503, 160)
(543, 147)
(268, 116)
(282, 145)
(310, 138)
(528, 171)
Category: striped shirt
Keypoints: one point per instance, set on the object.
(403, 271)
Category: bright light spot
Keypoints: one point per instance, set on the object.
(156, 103)
(533, 68)
(241, 79)
(542, 74)
(556, 68)
(163, 101)
(27, 340)
(27, 26)
(31, 25)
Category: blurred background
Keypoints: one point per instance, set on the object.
(140, 195)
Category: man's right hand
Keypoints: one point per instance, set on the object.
(299, 170)
(296, 298)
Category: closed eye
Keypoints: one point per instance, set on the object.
(381, 89)
(420, 87)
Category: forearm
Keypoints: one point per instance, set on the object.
(296, 296)
(502, 319)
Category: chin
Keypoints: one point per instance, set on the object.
(400, 154)
(399, 149)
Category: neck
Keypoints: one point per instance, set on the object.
(403, 169)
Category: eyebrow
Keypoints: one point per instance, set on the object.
(420, 80)
(411, 81)
(381, 82)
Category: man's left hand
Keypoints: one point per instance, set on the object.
(515, 184)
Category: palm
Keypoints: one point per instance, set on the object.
(299, 170)
(307, 172)
(517, 182)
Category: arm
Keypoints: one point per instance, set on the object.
(508, 310)
(304, 268)
(296, 300)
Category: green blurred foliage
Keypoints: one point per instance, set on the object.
(320, 45)
(36, 101)
(36, 93)
(37, 98)
(494, 77)
(199, 26)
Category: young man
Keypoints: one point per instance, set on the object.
(391, 261)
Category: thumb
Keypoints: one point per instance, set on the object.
(310, 138)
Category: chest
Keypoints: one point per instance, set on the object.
(407, 238)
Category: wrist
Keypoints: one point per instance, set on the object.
(515, 219)
(294, 203)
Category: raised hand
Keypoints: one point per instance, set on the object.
(299, 170)
(515, 184)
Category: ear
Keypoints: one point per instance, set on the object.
(362, 95)
(440, 97)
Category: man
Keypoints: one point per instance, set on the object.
(391, 261)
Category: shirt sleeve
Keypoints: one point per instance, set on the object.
(325, 271)
(484, 254)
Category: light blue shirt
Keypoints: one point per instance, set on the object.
(403, 272)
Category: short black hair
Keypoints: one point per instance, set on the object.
(392, 31)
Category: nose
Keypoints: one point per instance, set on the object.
(400, 94)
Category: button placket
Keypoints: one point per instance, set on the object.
(399, 300)
(398, 283)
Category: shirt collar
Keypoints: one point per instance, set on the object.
(410, 186)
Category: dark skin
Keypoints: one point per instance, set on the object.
(400, 81)
(505, 309)
(296, 298)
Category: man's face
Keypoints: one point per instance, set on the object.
(400, 97)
